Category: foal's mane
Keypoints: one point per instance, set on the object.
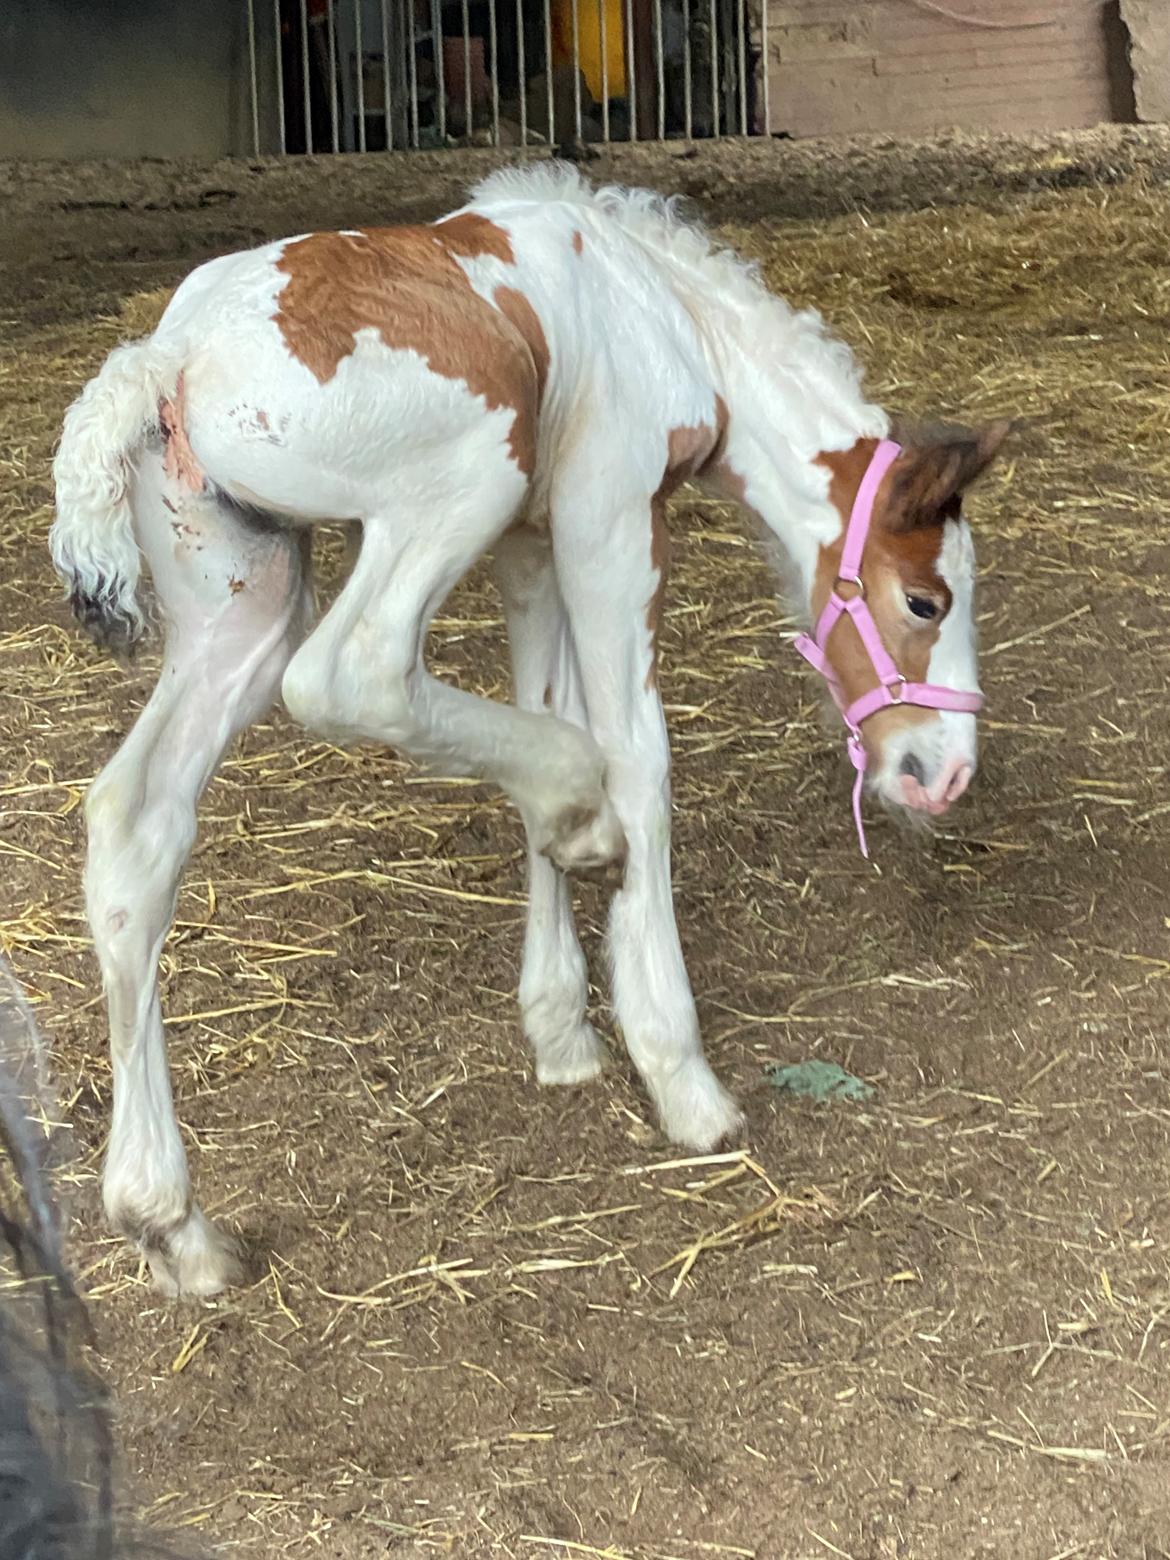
(658, 224)
(650, 218)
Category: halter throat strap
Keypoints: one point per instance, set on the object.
(892, 687)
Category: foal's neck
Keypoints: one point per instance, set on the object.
(792, 395)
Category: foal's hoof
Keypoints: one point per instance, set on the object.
(577, 1056)
(590, 843)
(697, 1112)
(196, 1259)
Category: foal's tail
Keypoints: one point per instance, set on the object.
(92, 540)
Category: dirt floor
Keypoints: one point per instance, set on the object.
(494, 1320)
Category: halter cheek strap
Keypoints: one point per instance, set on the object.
(892, 687)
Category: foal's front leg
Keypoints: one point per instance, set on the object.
(610, 574)
(361, 676)
(554, 986)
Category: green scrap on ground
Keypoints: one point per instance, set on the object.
(816, 1080)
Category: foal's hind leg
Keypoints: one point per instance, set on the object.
(554, 986)
(234, 600)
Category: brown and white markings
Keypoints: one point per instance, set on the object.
(530, 378)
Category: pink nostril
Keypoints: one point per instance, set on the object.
(959, 782)
(951, 783)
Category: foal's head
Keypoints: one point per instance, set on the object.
(917, 577)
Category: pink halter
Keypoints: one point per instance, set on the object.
(892, 687)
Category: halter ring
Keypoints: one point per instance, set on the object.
(853, 579)
(899, 683)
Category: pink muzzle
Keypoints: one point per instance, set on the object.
(892, 687)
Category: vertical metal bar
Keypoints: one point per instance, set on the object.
(548, 72)
(688, 123)
(468, 106)
(631, 53)
(576, 19)
(521, 73)
(715, 70)
(764, 66)
(280, 77)
(495, 73)
(331, 55)
(661, 70)
(412, 45)
(387, 101)
(741, 40)
(305, 77)
(440, 73)
(360, 51)
(603, 39)
(253, 85)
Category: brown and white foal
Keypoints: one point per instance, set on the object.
(532, 377)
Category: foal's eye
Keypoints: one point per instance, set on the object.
(922, 606)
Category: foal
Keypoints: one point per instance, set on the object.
(532, 377)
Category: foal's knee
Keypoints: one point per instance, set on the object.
(346, 694)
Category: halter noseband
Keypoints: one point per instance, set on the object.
(892, 688)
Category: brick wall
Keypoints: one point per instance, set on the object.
(897, 66)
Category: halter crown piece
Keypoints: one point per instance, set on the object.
(892, 687)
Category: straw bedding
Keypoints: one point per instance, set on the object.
(488, 1319)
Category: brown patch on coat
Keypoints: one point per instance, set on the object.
(578, 242)
(407, 285)
(719, 473)
(514, 306)
(471, 237)
(689, 450)
(178, 457)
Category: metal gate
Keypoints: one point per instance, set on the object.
(395, 75)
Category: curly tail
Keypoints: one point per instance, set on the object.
(92, 539)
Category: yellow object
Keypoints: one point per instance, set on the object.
(589, 43)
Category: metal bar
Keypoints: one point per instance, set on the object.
(688, 117)
(577, 68)
(387, 101)
(661, 70)
(334, 117)
(764, 66)
(603, 41)
(360, 51)
(521, 73)
(305, 77)
(280, 77)
(715, 56)
(468, 107)
(495, 74)
(412, 46)
(253, 86)
(440, 72)
(548, 73)
(741, 38)
(631, 50)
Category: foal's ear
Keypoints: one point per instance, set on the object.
(935, 470)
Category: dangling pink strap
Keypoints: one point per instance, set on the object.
(857, 759)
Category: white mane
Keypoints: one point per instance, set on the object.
(788, 335)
